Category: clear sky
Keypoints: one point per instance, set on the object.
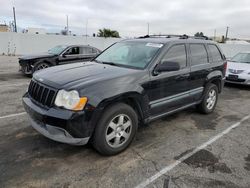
(130, 17)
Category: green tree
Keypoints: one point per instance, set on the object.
(199, 34)
(108, 33)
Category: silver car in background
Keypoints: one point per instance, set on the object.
(238, 69)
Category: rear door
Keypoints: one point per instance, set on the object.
(169, 90)
(87, 53)
(200, 68)
(217, 59)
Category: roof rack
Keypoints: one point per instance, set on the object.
(172, 36)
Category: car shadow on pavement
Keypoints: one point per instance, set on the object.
(237, 86)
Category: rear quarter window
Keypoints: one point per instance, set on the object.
(198, 54)
(215, 53)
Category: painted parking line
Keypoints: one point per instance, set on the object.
(10, 85)
(12, 115)
(202, 146)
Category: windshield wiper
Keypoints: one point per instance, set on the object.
(110, 63)
(106, 62)
(97, 61)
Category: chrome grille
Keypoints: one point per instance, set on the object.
(41, 94)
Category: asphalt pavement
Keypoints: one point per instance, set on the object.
(187, 149)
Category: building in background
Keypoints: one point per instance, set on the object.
(32, 30)
(4, 28)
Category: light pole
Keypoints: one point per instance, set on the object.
(148, 28)
(214, 34)
(14, 14)
(67, 22)
(227, 32)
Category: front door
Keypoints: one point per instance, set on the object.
(170, 90)
(71, 55)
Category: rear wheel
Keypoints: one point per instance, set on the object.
(209, 100)
(116, 129)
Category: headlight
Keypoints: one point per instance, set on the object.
(70, 100)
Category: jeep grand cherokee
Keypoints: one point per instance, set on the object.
(132, 81)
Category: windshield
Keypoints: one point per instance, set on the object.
(57, 50)
(241, 58)
(130, 54)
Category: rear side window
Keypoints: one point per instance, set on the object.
(94, 51)
(177, 53)
(216, 55)
(87, 50)
(198, 54)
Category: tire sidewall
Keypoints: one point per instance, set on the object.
(204, 102)
(100, 142)
(38, 63)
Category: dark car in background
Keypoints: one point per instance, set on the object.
(133, 81)
(61, 54)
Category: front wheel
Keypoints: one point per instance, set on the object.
(40, 66)
(116, 129)
(209, 100)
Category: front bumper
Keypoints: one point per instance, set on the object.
(58, 134)
(25, 67)
(58, 124)
(241, 81)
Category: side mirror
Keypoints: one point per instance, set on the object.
(167, 66)
(64, 55)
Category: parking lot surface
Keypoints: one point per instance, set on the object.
(186, 149)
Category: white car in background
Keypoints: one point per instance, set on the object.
(238, 69)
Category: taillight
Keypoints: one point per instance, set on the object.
(225, 66)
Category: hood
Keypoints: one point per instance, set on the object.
(78, 75)
(238, 66)
(37, 56)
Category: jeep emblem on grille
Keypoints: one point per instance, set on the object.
(40, 79)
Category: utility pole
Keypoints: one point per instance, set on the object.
(148, 28)
(226, 33)
(214, 34)
(67, 24)
(14, 14)
(86, 28)
(86, 31)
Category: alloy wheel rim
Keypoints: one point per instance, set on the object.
(211, 99)
(42, 66)
(118, 131)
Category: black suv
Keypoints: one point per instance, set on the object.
(131, 82)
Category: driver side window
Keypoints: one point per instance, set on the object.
(72, 51)
(176, 53)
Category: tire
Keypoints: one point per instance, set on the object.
(40, 65)
(113, 134)
(209, 100)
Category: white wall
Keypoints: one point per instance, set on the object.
(20, 44)
(232, 49)
(23, 43)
